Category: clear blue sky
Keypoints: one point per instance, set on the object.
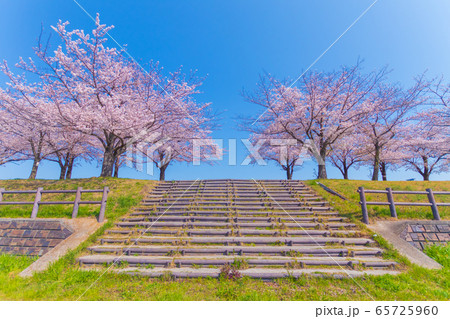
(232, 42)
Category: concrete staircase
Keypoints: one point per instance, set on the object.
(264, 229)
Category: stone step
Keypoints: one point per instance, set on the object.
(222, 260)
(227, 232)
(235, 196)
(248, 184)
(249, 187)
(149, 212)
(230, 198)
(236, 225)
(287, 241)
(229, 186)
(236, 207)
(293, 203)
(257, 202)
(237, 192)
(293, 251)
(229, 219)
(256, 273)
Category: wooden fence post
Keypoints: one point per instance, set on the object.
(76, 203)
(37, 199)
(390, 198)
(101, 215)
(434, 207)
(1, 193)
(362, 197)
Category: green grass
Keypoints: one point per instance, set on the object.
(10, 264)
(440, 253)
(64, 281)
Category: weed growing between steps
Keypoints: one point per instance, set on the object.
(230, 272)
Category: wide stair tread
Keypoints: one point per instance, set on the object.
(278, 261)
(236, 250)
(227, 240)
(192, 232)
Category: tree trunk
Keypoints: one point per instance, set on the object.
(108, 163)
(289, 171)
(322, 173)
(426, 171)
(116, 168)
(345, 172)
(63, 171)
(376, 163)
(34, 168)
(70, 167)
(383, 171)
(162, 173)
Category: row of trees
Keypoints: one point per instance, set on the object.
(85, 101)
(349, 118)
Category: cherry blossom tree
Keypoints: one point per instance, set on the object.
(120, 161)
(281, 149)
(23, 130)
(347, 152)
(440, 102)
(390, 108)
(427, 137)
(7, 154)
(26, 134)
(68, 146)
(427, 146)
(321, 108)
(390, 157)
(97, 91)
(177, 141)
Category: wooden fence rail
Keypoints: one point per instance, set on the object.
(392, 204)
(76, 203)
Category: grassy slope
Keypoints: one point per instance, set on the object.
(63, 281)
(124, 193)
(353, 209)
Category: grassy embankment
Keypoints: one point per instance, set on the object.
(352, 208)
(64, 281)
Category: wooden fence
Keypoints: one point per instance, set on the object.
(392, 204)
(76, 203)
